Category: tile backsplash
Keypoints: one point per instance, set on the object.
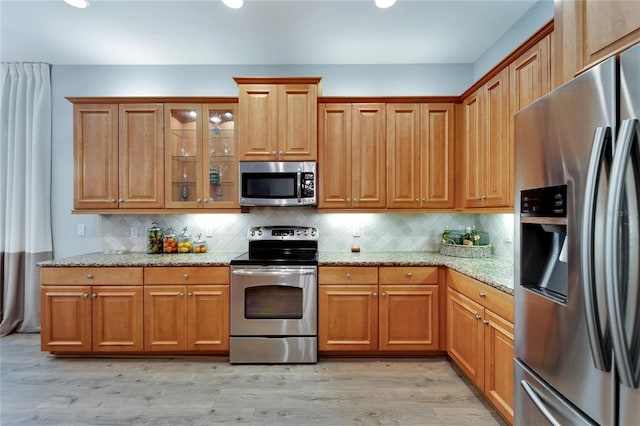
(378, 232)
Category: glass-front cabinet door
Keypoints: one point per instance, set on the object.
(201, 166)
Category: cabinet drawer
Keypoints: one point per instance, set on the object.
(408, 275)
(187, 275)
(489, 297)
(91, 276)
(348, 275)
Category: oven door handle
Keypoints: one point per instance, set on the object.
(273, 272)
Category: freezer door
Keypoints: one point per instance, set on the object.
(625, 298)
(538, 404)
(554, 140)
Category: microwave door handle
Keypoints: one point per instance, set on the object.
(598, 344)
(299, 177)
(628, 130)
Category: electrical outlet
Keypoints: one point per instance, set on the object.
(133, 232)
(208, 231)
(356, 231)
(81, 230)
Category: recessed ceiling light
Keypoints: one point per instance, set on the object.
(77, 3)
(233, 4)
(383, 4)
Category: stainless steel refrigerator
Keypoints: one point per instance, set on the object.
(577, 250)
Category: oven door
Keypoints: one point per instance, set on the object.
(271, 301)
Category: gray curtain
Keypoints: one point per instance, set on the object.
(25, 191)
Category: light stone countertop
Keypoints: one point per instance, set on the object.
(493, 271)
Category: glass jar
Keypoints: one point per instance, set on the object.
(199, 245)
(154, 239)
(446, 235)
(185, 241)
(169, 241)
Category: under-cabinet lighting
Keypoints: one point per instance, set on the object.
(383, 4)
(77, 3)
(233, 4)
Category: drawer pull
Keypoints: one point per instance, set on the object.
(348, 276)
(186, 276)
(482, 294)
(89, 276)
(478, 316)
(409, 274)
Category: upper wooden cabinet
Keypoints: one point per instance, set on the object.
(420, 155)
(118, 156)
(588, 31)
(486, 146)
(201, 163)
(352, 156)
(277, 119)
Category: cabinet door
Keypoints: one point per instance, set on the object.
(183, 155)
(95, 141)
(348, 317)
(436, 155)
(471, 168)
(497, 156)
(208, 317)
(258, 122)
(498, 356)
(65, 314)
(220, 172)
(465, 339)
(165, 318)
(409, 318)
(297, 122)
(403, 154)
(334, 140)
(141, 155)
(369, 167)
(117, 319)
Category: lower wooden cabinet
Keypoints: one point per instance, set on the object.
(480, 340)
(378, 309)
(186, 309)
(79, 317)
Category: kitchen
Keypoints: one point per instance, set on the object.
(378, 231)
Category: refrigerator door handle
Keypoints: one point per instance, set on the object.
(621, 347)
(599, 353)
(539, 403)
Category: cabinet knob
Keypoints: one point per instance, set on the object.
(85, 296)
(485, 322)
(348, 200)
(206, 200)
(348, 276)
(273, 153)
(281, 152)
(121, 201)
(409, 274)
(113, 200)
(374, 294)
(181, 294)
(198, 200)
(189, 294)
(478, 316)
(89, 276)
(186, 276)
(417, 200)
(93, 295)
(482, 294)
(384, 294)
(424, 199)
(355, 200)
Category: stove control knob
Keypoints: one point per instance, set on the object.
(306, 232)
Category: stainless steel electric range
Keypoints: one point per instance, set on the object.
(274, 297)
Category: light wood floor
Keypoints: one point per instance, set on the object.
(39, 390)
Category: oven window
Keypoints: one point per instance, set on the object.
(273, 302)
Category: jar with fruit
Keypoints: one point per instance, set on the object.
(154, 239)
(185, 241)
(199, 245)
(170, 241)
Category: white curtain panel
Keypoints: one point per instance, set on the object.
(25, 191)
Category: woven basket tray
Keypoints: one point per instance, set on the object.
(465, 251)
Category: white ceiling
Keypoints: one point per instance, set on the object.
(160, 32)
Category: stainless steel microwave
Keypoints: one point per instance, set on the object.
(277, 183)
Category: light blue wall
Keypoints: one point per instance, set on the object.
(535, 18)
(189, 80)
